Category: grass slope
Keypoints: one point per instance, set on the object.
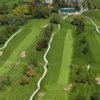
(26, 40)
(59, 58)
(94, 15)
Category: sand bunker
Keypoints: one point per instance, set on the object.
(68, 88)
(23, 54)
(41, 95)
(1, 53)
(44, 26)
(98, 79)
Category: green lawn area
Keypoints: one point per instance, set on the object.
(10, 3)
(94, 15)
(26, 40)
(60, 58)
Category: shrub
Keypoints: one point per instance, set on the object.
(90, 82)
(85, 50)
(24, 81)
(95, 96)
(80, 97)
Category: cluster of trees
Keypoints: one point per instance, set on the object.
(3, 10)
(79, 21)
(4, 34)
(95, 96)
(41, 12)
(55, 18)
(43, 43)
(81, 78)
(5, 82)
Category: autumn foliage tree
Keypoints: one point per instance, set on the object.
(17, 11)
(45, 44)
(39, 46)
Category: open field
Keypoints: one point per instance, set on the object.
(10, 3)
(94, 15)
(26, 40)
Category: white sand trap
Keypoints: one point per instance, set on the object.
(23, 54)
(1, 53)
(88, 67)
(44, 26)
(41, 95)
(98, 79)
(68, 87)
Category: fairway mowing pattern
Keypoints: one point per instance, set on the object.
(25, 40)
(58, 57)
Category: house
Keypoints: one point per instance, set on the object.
(44, 4)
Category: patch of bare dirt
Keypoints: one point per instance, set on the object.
(68, 87)
(3, 78)
(98, 79)
(41, 95)
(23, 54)
(1, 53)
(44, 26)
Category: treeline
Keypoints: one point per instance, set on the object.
(79, 21)
(10, 28)
(43, 42)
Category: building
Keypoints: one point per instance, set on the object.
(65, 11)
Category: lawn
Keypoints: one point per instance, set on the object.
(95, 2)
(10, 3)
(60, 58)
(26, 40)
(94, 15)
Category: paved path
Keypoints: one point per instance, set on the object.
(45, 64)
(93, 24)
(13, 36)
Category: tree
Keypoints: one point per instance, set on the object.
(15, 5)
(80, 97)
(84, 40)
(2, 38)
(47, 31)
(85, 50)
(95, 96)
(8, 82)
(51, 27)
(80, 70)
(37, 13)
(24, 81)
(3, 10)
(17, 11)
(34, 61)
(45, 12)
(55, 19)
(39, 46)
(45, 44)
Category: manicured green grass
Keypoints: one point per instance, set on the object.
(10, 3)
(26, 40)
(59, 57)
(94, 15)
